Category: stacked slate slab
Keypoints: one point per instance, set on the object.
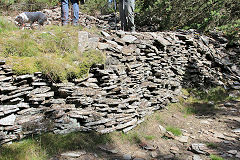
(143, 72)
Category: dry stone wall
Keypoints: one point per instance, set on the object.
(143, 73)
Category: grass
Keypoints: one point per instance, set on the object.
(176, 131)
(215, 157)
(47, 145)
(26, 149)
(202, 102)
(6, 26)
(149, 137)
(212, 145)
(132, 137)
(53, 51)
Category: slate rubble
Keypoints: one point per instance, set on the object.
(143, 73)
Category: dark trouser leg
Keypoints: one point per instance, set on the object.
(64, 12)
(75, 4)
(130, 15)
(122, 10)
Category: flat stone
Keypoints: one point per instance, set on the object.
(103, 46)
(102, 121)
(138, 159)
(40, 90)
(154, 154)
(124, 125)
(92, 43)
(236, 130)
(127, 157)
(108, 149)
(196, 157)
(218, 135)
(22, 77)
(8, 121)
(43, 95)
(182, 139)
(169, 135)
(6, 79)
(83, 38)
(8, 89)
(174, 150)
(6, 109)
(105, 34)
(39, 84)
(74, 154)
(129, 38)
(237, 155)
(162, 129)
(199, 148)
(232, 152)
(205, 122)
(106, 130)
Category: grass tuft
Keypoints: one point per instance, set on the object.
(149, 137)
(212, 145)
(215, 95)
(6, 26)
(47, 145)
(176, 131)
(26, 149)
(215, 157)
(132, 137)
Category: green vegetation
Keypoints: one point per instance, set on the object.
(149, 137)
(215, 95)
(214, 157)
(176, 131)
(203, 15)
(47, 145)
(26, 5)
(6, 26)
(212, 145)
(203, 102)
(26, 149)
(95, 7)
(132, 137)
(53, 51)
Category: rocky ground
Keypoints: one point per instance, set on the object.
(211, 132)
(205, 134)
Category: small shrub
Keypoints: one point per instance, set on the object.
(213, 94)
(6, 26)
(215, 157)
(133, 137)
(176, 131)
(23, 65)
(149, 137)
(95, 7)
(212, 145)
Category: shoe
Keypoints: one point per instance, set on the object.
(64, 24)
(75, 24)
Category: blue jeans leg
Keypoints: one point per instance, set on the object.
(64, 12)
(75, 4)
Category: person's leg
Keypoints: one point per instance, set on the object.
(64, 12)
(110, 3)
(122, 14)
(130, 15)
(75, 4)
